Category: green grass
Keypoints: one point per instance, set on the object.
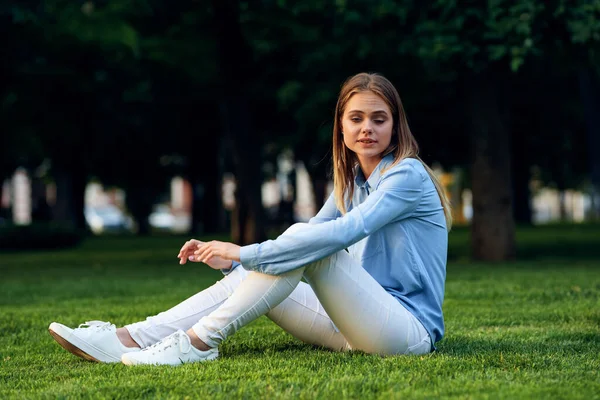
(529, 329)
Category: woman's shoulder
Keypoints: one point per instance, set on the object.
(406, 173)
(408, 165)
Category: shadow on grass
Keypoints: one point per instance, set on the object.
(260, 348)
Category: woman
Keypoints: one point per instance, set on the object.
(374, 258)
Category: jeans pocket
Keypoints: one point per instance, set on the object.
(423, 347)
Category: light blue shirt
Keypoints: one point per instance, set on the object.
(395, 227)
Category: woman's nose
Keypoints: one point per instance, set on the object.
(367, 127)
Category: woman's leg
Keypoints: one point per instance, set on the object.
(187, 313)
(103, 342)
(370, 319)
(300, 314)
(255, 296)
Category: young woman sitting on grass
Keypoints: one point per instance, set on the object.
(374, 258)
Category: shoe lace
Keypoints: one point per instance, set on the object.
(98, 325)
(178, 338)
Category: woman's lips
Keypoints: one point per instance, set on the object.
(367, 142)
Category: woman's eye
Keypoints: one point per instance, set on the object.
(355, 119)
(379, 121)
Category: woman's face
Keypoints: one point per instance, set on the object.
(367, 127)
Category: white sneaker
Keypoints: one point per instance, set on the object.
(92, 341)
(175, 349)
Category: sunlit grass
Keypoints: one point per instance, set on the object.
(529, 329)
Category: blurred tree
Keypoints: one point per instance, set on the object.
(25, 103)
(589, 82)
(63, 88)
(176, 38)
(19, 145)
(131, 91)
(550, 129)
(484, 43)
(165, 118)
(107, 98)
(307, 49)
(290, 41)
(583, 25)
(237, 74)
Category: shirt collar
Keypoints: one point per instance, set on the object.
(373, 180)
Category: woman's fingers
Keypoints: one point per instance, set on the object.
(224, 250)
(190, 244)
(186, 250)
(218, 252)
(203, 253)
(182, 253)
(185, 245)
(182, 250)
(206, 251)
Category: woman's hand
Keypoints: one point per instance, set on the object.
(187, 254)
(207, 252)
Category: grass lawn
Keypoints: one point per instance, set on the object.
(528, 329)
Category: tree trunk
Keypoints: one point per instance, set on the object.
(319, 192)
(3, 212)
(205, 178)
(521, 192)
(211, 204)
(70, 197)
(318, 178)
(63, 210)
(248, 220)
(562, 205)
(235, 61)
(492, 227)
(198, 190)
(589, 87)
(248, 216)
(458, 186)
(139, 200)
(285, 211)
(212, 200)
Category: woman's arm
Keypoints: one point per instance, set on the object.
(328, 212)
(229, 251)
(396, 197)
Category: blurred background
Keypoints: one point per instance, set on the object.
(215, 117)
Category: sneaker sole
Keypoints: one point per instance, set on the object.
(127, 361)
(71, 347)
(79, 347)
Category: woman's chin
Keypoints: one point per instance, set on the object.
(369, 154)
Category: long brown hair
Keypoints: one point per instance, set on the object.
(403, 144)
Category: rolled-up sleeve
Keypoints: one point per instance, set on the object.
(234, 265)
(396, 197)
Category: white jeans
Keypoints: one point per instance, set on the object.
(339, 291)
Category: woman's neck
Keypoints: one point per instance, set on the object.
(368, 166)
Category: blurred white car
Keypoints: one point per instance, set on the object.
(162, 218)
(107, 218)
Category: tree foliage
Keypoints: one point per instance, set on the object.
(133, 92)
